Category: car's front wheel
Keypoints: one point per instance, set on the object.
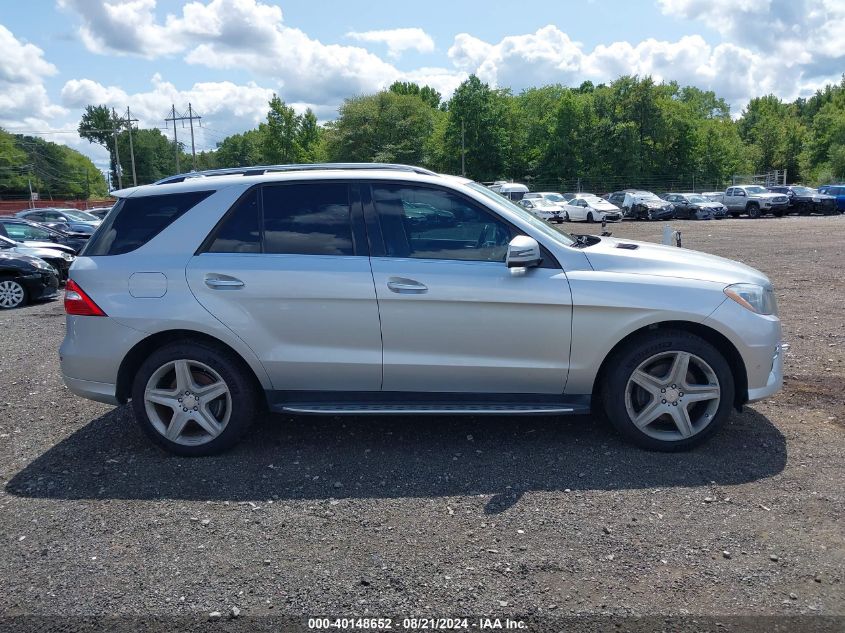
(193, 398)
(668, 390)
(12, 294)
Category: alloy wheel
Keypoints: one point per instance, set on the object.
(12, 294)
(188, 402)
(672, 395)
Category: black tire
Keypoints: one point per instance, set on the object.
(234, 372)
(734, 215)
(590, 217)
(566, 216)
(753, 210)
(623, 363)
(18, 289)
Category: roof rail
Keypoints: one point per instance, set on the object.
(258, 170)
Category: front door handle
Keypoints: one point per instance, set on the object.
(222, 281)
(406, 286)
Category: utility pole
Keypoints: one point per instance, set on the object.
(129, 121)
(193, 147)
(174, 118)
(31, 201)
(190, 118)
(116, 151)
(463, 148)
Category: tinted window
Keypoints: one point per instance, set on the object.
(434, 224)
(27, 232)
(239, 232)
(135, 221)
(308, 219)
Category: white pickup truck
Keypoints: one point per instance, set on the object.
(753, 200)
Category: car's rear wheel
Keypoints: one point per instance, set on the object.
(668, 390)
(12, 294)
(193, 399)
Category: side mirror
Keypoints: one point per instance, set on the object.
(523, 252)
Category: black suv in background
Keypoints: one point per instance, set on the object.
(804, 200)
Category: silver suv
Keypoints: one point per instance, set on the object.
(387, 289)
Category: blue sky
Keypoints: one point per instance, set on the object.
(228, 56)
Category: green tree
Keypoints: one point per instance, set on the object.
(280, 134)
(427, 94)
(385, 127)
(240, 150)
(482, 113)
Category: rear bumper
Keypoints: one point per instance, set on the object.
(99, 391)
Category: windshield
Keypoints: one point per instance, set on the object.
(697, 199)
(756, 189)
(524, 215)
(555, 197)
(646, 195)
(805, 191)
(80, 215)
(541, 202)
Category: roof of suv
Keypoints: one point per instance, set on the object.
(215, 179)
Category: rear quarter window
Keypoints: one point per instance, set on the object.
(135, 221)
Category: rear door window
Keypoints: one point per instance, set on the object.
(135, 221)
(308, 219)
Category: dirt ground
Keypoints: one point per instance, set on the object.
(537, 518)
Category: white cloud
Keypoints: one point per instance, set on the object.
(798, 32)
(23, 98)
(397, 40)
(734, 71)
(226, 107)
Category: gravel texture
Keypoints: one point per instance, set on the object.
(441, 516)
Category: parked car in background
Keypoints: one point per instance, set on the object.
(617, 197)
(838, 192)
(551, 196)
(164, 309)
(24, 278)
(76, 221)
(713, 196)
(691, 206)
(24, 231)
(510, 190)
(543, 209)
(645, 205)
(805, 200)
(754, 200)
(58, 259)
(590, 208)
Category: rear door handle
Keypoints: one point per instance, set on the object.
(222, 281)
(406, 286)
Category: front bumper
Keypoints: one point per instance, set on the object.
(774, 381)
(757, 338)
(41, 285)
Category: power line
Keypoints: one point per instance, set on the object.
(190, 118)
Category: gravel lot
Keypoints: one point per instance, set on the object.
(398, 517)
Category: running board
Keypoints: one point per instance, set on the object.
(393, 409)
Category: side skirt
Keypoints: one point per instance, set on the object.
(417, 403)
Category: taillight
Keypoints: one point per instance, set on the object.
(78, 303)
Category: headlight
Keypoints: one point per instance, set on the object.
(756, 298)
(67, 257)
(817, 199)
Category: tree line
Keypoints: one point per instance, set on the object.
(51, 169)
(630, 132)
